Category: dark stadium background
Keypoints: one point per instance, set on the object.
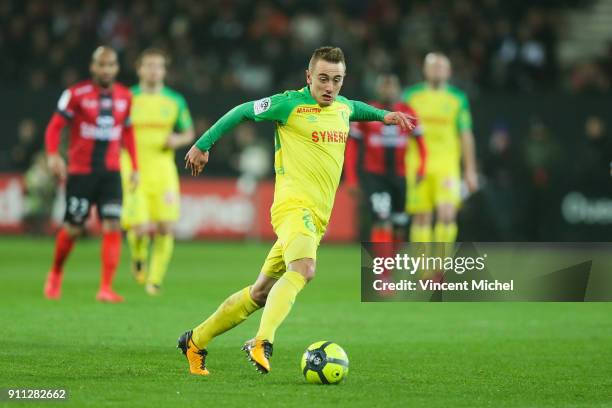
(538, 73)
(539, 77)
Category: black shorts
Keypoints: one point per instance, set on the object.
(84, 190)
(386, 197)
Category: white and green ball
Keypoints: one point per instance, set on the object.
(325, 362)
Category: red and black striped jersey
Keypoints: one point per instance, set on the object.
(384, 147)
(99, 121)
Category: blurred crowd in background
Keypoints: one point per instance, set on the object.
(261, 46)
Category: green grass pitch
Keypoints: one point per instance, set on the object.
(401, 354)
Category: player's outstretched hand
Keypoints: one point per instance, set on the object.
(57, 166)
(195, 160)
(405, 122)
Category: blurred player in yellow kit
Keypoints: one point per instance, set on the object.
(162, 123)
(445, 116)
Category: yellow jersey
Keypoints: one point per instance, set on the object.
(444, 114)
(309, 145)
(154, 117)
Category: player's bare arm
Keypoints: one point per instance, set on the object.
(55, 162)
(177, 140)
(469, 161)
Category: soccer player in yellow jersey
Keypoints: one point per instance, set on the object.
(445, 116)
(311, 130)
(162, 123)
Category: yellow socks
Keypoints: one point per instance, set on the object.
(139, 246)
(233, 311)
(420, 233)
(441, 233)
(279, 303)
(163, 245)
(445, 232)
(236, 308)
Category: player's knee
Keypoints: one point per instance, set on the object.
(164, 228)
(73, 230)
(308, 274)
(111, 225)
(446, 214)
(422, 219)
(140, 230)
(305, 267)
(448, 219)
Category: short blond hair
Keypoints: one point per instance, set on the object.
(153, 51)
(327, 53)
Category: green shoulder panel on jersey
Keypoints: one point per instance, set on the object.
(464, 116)
(135, 89)
(459, 94)
(413, 90)
(183, 120)
(347, 102)
(174, 95)
(361, 111)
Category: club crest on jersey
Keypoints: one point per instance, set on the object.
(262, 105)
(345, 117)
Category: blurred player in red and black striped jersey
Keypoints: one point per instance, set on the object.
(98, 113)
(383, 151)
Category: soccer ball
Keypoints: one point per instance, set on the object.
(324, 362)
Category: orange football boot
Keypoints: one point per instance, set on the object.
(195, 356)
(259, 353)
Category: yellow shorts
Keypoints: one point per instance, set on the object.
(299, 234)
(437, 187)
(142, 207)
(157, 197)
(150, 203)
